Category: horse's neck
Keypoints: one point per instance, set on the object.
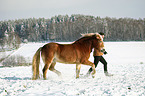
(87, 45)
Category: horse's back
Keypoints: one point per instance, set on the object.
(64, 53)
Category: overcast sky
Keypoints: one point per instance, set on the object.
(19, 9)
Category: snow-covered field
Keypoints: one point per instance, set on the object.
(126, 60)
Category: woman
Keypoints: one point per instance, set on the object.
(98, 56)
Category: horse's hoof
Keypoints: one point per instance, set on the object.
(33, 79)
(44, 78)
(77, 77)
(93, 76)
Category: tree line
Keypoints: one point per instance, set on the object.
(69, 28)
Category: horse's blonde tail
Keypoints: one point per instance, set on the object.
(35, 64)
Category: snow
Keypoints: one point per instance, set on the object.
(126, 60)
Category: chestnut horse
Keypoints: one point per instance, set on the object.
(76, 53)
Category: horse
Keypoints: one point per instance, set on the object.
(77, 53)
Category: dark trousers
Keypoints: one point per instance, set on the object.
(96, 61)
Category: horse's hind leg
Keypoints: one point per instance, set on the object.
(51, 68)
(45, 70)
(47, 63)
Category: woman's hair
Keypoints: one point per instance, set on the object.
(101, 33)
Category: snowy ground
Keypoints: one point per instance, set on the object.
(126, 60)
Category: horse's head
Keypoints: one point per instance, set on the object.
(98, 42)
(95, 40)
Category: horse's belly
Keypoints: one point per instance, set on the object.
(65, 59)
(66, 62)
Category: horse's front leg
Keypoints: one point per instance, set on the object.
(78, 67)
(93, 67)
(94, 71)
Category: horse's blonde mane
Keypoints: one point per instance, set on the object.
(89, 34)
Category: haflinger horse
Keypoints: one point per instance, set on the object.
(76, 53)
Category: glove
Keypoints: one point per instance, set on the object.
(105, 53)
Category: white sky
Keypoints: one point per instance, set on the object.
(18, 9)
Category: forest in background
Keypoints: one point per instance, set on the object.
(69, 28)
